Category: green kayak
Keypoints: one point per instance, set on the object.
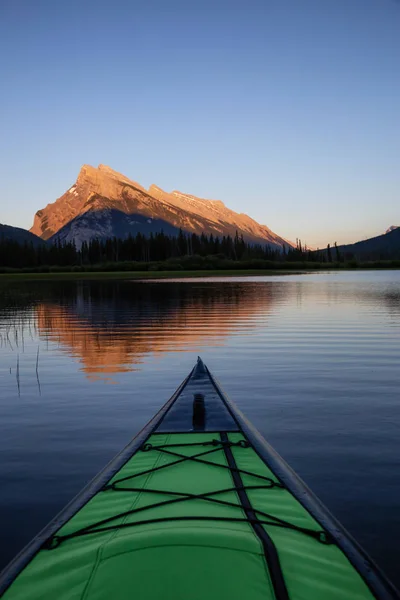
(198, 506)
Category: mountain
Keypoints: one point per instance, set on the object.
(382, 247)
(392, 228)
(18, 235)
(103, 203)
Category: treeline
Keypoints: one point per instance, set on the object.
(156, 247)
(160, 252)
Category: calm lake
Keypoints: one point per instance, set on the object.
(312, 360)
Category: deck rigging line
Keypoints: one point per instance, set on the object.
(251, 513)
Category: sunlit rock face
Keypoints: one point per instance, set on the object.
(103, 203)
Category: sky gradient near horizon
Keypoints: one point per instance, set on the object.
(285, 110)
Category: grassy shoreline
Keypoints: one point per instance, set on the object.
(178, 274)
(128, 275)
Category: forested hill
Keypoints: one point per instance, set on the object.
(382, 247)
(19, 235)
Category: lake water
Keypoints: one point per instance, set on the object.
(312, 360)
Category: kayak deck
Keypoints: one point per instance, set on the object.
(191, 515)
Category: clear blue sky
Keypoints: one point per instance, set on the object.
(288, 110)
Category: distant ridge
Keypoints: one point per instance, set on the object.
(104, 203)
(382, 247)
(19, 235)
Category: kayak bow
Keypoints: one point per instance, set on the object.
(197, 506)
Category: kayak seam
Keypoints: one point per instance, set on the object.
(99, 559)
(270, 552)
(197, 545)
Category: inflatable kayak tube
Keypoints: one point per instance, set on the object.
(198, 506)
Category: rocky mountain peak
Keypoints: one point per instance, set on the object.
(156, 189)
(87, 172)
(105, 203)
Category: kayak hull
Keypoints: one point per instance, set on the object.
(195, 508)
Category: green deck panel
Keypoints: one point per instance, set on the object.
(171, 560)
(184, 560)
(312, 570)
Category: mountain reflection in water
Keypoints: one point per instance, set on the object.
(111, 327)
